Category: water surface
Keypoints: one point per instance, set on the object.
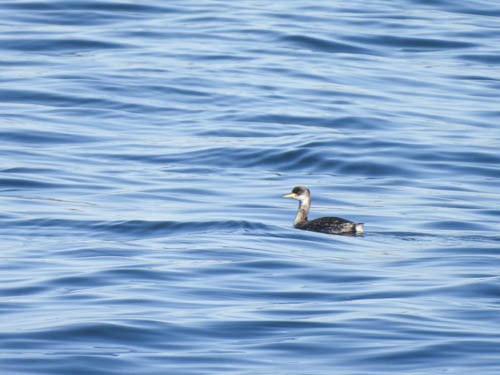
(144, 151)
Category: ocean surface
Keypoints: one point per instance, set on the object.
(144, 149)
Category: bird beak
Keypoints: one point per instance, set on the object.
(290, 195)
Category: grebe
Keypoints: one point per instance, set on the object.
(331, 225)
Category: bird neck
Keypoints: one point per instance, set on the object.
(302, 212)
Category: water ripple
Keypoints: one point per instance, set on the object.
(321, 45)
(146, 147)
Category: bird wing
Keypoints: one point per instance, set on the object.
(328, 225)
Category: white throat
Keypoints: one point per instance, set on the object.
(304, 206)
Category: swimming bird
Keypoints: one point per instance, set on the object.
(331, 225)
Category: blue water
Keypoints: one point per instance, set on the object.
(144, 150)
